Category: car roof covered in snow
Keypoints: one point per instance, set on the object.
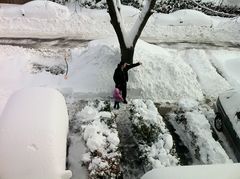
(230, 101)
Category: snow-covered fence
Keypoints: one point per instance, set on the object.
(33, 135)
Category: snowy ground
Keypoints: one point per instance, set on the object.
(169, 73)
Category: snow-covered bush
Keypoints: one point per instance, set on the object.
(147, 126)
(191, 124)
(154, 139)
(102, 158)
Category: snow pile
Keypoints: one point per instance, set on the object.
(163, 75)
(195, 131)
(192, 17)
(184, 17)
(155, 141)
(212, 83)
(99, 132)
(36, 9)
(227, 64)
(33, 135)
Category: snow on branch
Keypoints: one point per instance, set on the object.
(141, 21)
(129, 40)
(114, 10)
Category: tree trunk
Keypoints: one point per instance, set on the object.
(127, 55)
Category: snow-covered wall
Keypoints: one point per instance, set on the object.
(33, 133)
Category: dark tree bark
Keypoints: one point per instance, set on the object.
(127, 51)
(127, 54)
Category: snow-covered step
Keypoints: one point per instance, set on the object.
(223, 171)
(33, 135)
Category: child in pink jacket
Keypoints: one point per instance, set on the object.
(117, 96)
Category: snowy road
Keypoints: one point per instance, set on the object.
(44, 43)
(68, 42)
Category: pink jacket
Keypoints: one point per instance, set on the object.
(117, 95)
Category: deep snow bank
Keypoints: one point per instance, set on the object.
(161, 77)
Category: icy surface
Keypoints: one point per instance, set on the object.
(35, 122)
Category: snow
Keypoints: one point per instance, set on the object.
(81, 24)
(101, 140)
(27, 114)
(228, 64)
(156, 79)
(158, 150)
(210, 151)
(163, 75)
(211, 81)
(186, 104)
(36, 9)
(230, 101)
(167, 73)
(192, 17)
(195, 131)
(225, 171)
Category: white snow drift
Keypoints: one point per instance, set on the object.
(33, 135)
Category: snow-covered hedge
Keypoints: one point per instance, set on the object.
(98, 126)
(154, 139)
(191, 124)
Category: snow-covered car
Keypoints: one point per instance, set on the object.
(227, 118)
(216, 171)
(33, 135)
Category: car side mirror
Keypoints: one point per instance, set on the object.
(238, 115)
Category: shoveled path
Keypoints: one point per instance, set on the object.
(131, 164)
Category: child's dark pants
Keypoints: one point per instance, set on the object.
(116, 105)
